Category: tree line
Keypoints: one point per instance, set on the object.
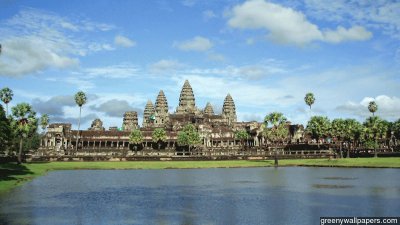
(19, 130)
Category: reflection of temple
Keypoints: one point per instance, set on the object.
(216, 130)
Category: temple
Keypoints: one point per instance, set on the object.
(217, 131)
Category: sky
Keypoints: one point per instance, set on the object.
(266, 54)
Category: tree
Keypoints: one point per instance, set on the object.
(80, 100)
(24, 124)
(241, 135)
(159, 136)
(354, 133)
(396, 129)
(277, 132)
(375, 128)
(318, 127)
(188, 136)
(6, 95)
(5, 130)
(309, 99)
(372, 107)
(338, 130)
(136, 138)
(44, 121)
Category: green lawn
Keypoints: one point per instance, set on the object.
(12, 175)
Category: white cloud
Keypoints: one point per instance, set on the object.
(164, 65)
(198, 43)
(288, 26)
(113, 71)
(383, 15)
(35, 40)
(355, 33)
(124, 41)
(388, 107)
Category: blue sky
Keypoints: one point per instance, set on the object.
(266, 54)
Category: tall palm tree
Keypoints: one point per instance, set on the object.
(372, 107)
(278, 132)
(24, 123)
(309, 99)
(80, 99)
(338, 130)
(318, 127)
(6, 95)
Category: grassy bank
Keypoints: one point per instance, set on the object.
(12, 175)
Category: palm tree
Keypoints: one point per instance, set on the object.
(6, 95)
(318, 127)
(277, 132)
(44, 121)
(309, 99)
(5, 131)
(80, 99)
(136, 138)
(159, 136)
(372, 107)
(24, 123)
(338, 130)
(354, 131)
(375, 128)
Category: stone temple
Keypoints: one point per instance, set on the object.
(217, 131)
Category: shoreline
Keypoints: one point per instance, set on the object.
(13, 175)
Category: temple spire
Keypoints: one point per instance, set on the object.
(209, 109)
(229, 109)
(161, 110)
(186, 99)
(148, 113)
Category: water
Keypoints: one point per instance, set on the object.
(291, 195)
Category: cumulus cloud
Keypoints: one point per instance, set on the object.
(35, 40)
(197, 43)
(388, 107)
(288, 26)
(114, 108)
(124, 41)
(164, 65)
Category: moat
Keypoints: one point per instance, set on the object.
(290, 195)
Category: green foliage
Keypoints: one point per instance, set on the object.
(279, 130)
(396, 128)
(24, 122)
(318, 127)
(5, 130)
(159, 134)
(370, 144)
(375, 128)
(6, 95)
(188, 136)
(80, 98)
(309, 99)
(44, 121)
(241, 135)
(136, 137)
(372, 107)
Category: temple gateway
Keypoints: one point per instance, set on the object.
(217, 131)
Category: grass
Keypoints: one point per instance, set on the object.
(12, 175)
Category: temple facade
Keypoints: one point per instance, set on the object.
(217, 131)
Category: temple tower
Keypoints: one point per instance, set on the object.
(186, 99)
(209, 109)
(229, 110)
(130, 121)
(97, 125)
(148, 114)
(161, 110)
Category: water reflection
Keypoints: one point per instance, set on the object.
(203, 196)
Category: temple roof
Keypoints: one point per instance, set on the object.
(209, 109)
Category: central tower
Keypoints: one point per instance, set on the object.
(186, 100)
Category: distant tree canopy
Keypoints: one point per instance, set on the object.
(319, 127)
